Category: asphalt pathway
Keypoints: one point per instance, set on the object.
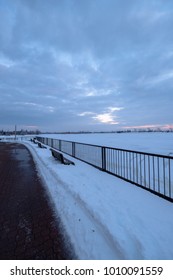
(28, 226)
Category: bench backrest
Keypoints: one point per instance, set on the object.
(58, 155)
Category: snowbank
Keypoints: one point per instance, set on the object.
(105, 217)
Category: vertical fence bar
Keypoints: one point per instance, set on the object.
(60, 144)
(149, 172)
(73, 149)
(103, 158)
(130, 165)
(116, 163)
(112, 161)
(127, 175)
(140, 170)
(124, 165)
(108, 160)
(133, 167)
(164, 176)
(153, 174)
(144, 173)
(136, 167)
(169, 178)
(158, 173)
(121, 163)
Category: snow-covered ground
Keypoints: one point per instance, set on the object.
(105, 217)
(157, 142)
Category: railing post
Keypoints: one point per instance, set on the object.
(103, 158)
(73, 149)
(52, 143)
(60, 145)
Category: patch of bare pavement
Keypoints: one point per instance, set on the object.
(28, 226)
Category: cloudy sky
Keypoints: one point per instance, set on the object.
(70, 65)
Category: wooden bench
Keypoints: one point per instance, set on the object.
(40, 145)
(60, 157)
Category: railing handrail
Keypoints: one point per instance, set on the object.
(114, 148)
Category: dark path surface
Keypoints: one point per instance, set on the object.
(28, 228)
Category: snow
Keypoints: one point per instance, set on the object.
(106, 217)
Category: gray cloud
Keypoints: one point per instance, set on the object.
(64, 64)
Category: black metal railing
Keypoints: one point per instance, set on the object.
(152, 172)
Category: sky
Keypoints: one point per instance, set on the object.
(77, 65)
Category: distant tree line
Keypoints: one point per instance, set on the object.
(145, 130)
(19, 132)
(36, 132)
(117, 131)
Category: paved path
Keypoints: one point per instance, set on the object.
(28, 228)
